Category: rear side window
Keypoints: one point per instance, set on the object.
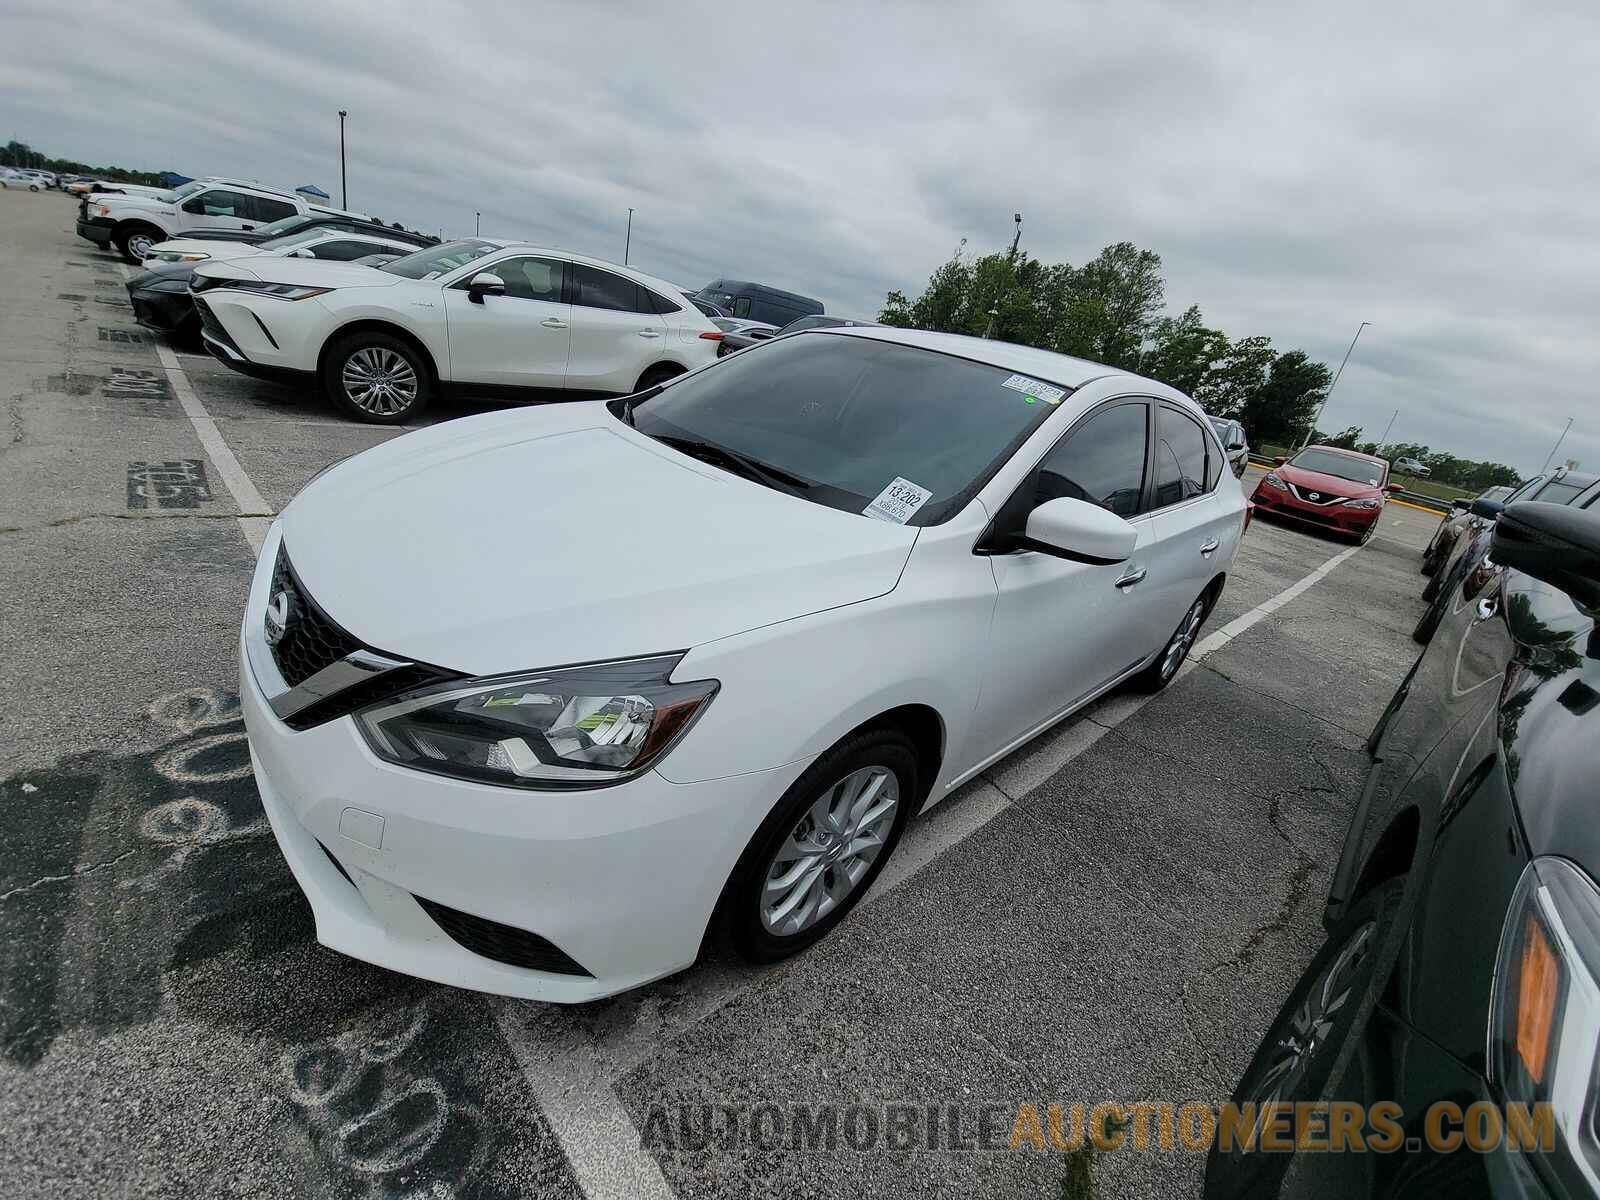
(1101, 461)
(741, 306)
(658, 303)
(265, 209)
(602, 289)
(1180, 457)
(344, 251)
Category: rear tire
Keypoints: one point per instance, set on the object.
(794, 883)
(659, 373)
(377, 378)
(1175, 653)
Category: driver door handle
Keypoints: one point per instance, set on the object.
(1132, 576)
(1486, 608)
(649, 333)
(1208, 547)
(553, 323)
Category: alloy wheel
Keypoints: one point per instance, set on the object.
(1307, 1029)
(829, 851)
(139, 245)
(379, 381)
(1178, 648)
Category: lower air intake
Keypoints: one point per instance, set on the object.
(502, 943)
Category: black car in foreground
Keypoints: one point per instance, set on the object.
(1563, 486)
(1452, 1018)
(1460, 521)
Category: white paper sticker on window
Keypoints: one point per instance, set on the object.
(1034, 389)
(898, 502)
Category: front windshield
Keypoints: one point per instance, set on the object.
(1345, 466)
(295, 239)
(178, 193)
(439, 260)
(283, 225)
(857, 420)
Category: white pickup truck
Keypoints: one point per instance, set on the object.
(134, 222)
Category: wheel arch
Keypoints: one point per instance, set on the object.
(1392, 855)
(375, 325)
(661, 369)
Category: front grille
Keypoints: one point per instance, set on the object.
(209, 322)
(1322, 497)
(502, 943)
(311, 640)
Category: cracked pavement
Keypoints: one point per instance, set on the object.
(1114, 912)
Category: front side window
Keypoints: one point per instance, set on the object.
(1100, 460)
(440, 260)
(602, 289)
(219, 203)
(530, 278)
(1180, 457)
(840, 420)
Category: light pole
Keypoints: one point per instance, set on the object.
(627, 245)
(1384, 440)
(344, 186)
(1334, 384)
(477, 224)
(1556, 447)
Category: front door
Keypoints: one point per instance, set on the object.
(219, 208)
(616, 332)
(520, 339)
(1063, 629)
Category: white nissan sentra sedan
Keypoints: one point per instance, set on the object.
(540, 701)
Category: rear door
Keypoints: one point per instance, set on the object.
(520, 339)
(1197, 526)
(616, 333)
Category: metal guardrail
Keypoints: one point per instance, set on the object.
(1432, 503)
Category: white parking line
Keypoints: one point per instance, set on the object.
(255, 515)
(571, 1071)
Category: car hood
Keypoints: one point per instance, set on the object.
(1330, 485)
(311, 272)
(214, 249)
(540, 537)
(132, 202)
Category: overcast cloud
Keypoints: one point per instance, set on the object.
(1299, 168)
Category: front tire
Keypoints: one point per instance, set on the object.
(822, 846)
(135, 242)
(1306, 1042)
(377, 378)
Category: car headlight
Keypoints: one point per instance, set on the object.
(1272, 481)
(1544, 1021)
(1364, 502)
(179, 286)
(283, 291)
(572, 727)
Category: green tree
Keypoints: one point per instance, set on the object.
(1183, 351)
(1237, 378)
(1280, 411)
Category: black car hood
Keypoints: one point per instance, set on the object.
(156, 274)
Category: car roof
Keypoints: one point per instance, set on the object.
(1372, 458)
(1578, 479)
(1060, 369)
(765, 289)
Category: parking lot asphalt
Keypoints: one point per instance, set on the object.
(1113, 913)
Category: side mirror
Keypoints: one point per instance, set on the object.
(1487, 509)
(485, 283)
(1235, 445)
(1554, 543)
(1078, 530)
(1392, 488)
(302, 253)
(1280, 460)
(1461, 504)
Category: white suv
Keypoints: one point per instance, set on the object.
(477, 316)
(135, 222)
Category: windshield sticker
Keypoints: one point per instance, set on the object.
(898, 502)
(1034, 391)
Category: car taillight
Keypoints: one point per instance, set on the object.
(712, 335)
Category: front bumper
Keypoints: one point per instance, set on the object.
(168, 312)
(1340, 518)
(96, 229)
(621, 880)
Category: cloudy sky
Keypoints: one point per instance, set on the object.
(1430, 167)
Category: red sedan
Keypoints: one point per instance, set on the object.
(1336, 489)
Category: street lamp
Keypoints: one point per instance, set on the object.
(344, 186)
(628, 243)
(1556, 447)
(1317, 419)
(477, 224)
